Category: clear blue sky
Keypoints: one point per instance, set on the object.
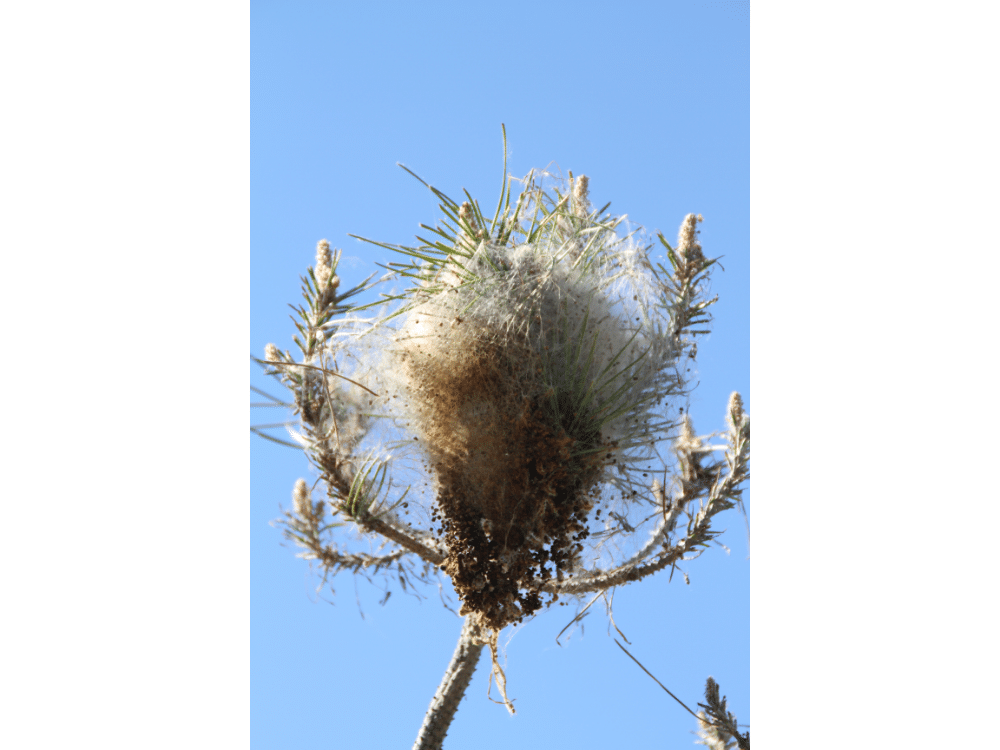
(651, 101)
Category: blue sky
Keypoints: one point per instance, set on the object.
(652, 103)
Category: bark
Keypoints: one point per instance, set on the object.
(450, 692)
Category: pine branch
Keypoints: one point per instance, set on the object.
(405, 539)
(452, 689)
(696, 479)
(718, 727)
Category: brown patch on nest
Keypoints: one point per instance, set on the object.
(514, 480)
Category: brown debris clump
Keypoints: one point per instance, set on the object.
(515, 468)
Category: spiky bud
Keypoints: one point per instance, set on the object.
(301, 501)
(581, 196)
(324, 264)
(688, 247)
(468, 216)
(734, 412)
